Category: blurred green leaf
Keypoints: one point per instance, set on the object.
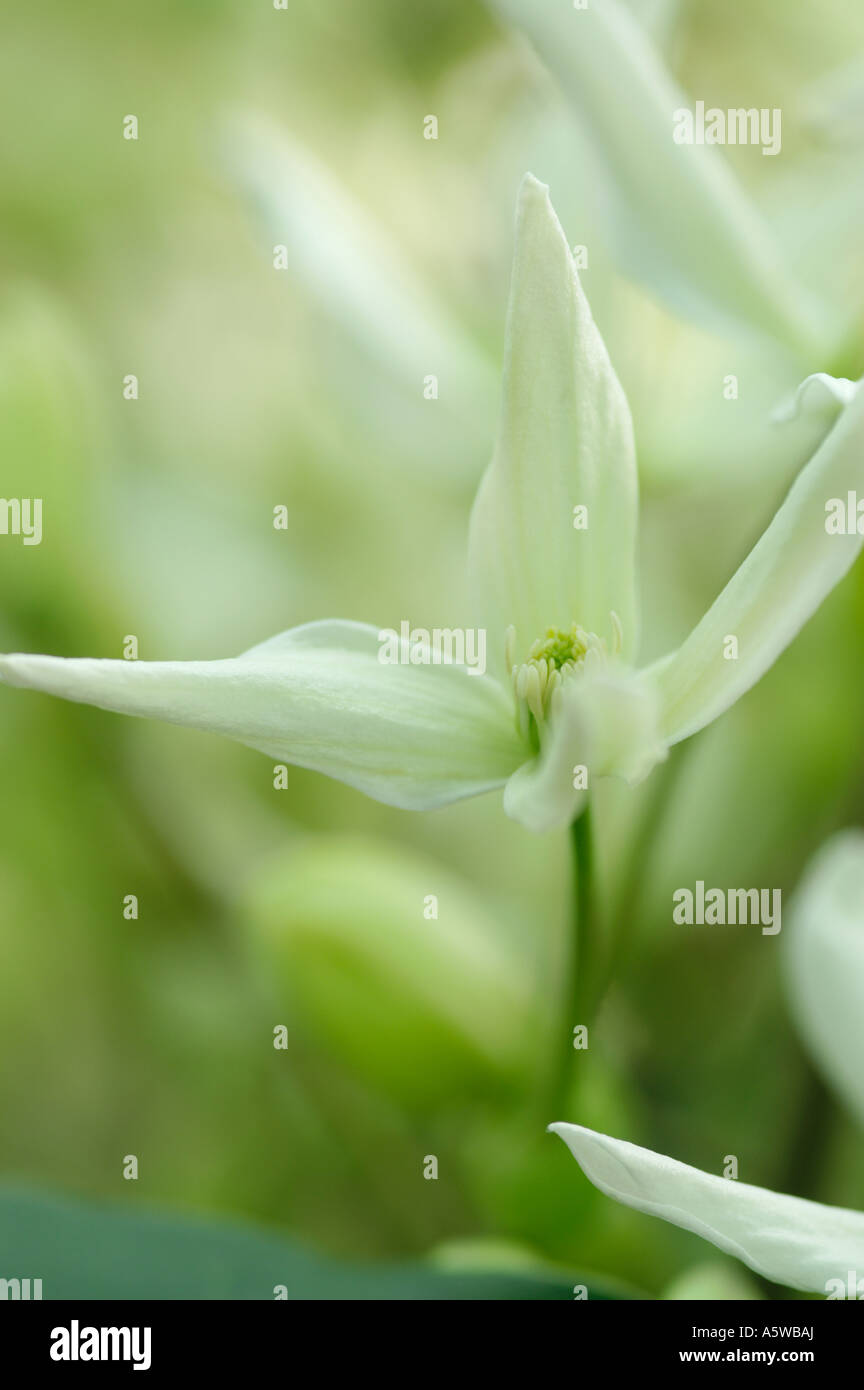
(51, 439)
(99, 1252)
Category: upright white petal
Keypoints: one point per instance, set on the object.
(786, 1239)
(415, 736)
(788, 573)
(825, 961)
(658, 17)
(565, 440)
(681, 221)
(607, 723)
(350, 261)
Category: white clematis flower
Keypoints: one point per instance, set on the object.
(682, 222)
(558, 604)
(802, 1244)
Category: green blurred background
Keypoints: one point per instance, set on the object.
(303, 907)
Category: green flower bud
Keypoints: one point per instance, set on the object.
(394, 968)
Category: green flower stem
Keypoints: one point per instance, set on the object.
(577, 973)
(581, 840)
(625, 916)
(587, 974)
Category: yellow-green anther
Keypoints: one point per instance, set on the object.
(552, 660)
(560, 648)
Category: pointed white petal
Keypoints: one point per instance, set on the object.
(607, 723)
(786, 1239)
(820, 395)
(565, 440)
(788, 573)
(350, 261)
(317, 696)
(658, 17)
(718, 262)
(825, 960)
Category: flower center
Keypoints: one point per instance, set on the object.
(553, 661)
(560, 649)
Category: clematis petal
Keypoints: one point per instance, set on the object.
(825, 963)
(414, 736)
(607, 724)
(364, 281)
(801, 1244)
(819, 395)
(659, 18)
(788, 573)
(565, 440)
(682, 222)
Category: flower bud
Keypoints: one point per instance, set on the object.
(395, 969)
